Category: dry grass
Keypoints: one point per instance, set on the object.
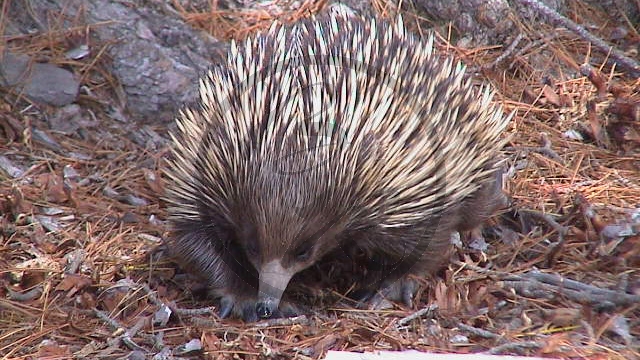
(74, 291)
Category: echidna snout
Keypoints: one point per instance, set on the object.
(273, 281)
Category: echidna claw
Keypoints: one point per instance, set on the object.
(400, 291)
(226, 305)
(242, 308)
(289, 310)
(362, 296)
(245, 308)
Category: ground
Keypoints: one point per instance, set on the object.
(83, 271)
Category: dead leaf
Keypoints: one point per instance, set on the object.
(17, 203)
(595, 125)
(446, 297)
(620, 326)
(626, 109)
(86, 300)
(209, 340)
(551, 95)
(562, 316)
(73, 283)
(50, 349)
(154, 181)
(556, 344)
(55, 192)
(324, 344)
(112, 298)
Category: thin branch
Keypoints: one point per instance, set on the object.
(624, 61)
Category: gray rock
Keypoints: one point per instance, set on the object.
(155, 57)
(67, 119)
(42, 82)
(486, 22)
(10, 168)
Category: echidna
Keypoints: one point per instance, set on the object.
(328, 135)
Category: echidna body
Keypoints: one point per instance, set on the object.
(325, 136)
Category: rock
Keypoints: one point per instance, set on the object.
(153, 54)
(42, 82)
(485, 22)
(67, 119)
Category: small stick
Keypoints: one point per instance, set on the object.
(562, 230)
(478, 332)
(596, 79)
(518, 347)
(301, 320)
(508, 51)
(544, 150)
(548, 286)
(210, 310)
(125, 337)
(25, 296)
(429, 309)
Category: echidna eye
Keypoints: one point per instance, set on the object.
(252, 249)
(303, 253)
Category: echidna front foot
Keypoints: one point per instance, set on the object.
(401, 291)
(231, 305)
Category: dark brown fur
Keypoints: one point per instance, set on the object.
(216, 253)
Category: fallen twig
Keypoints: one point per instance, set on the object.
(517, 347)
(549, 286)
(507, 52)
(624, 61)
(478, 332)
(548, 218)
(125, 335)
(209, 310)
(428, 310)
(561, 230)
(545, 149)
(297, 320)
